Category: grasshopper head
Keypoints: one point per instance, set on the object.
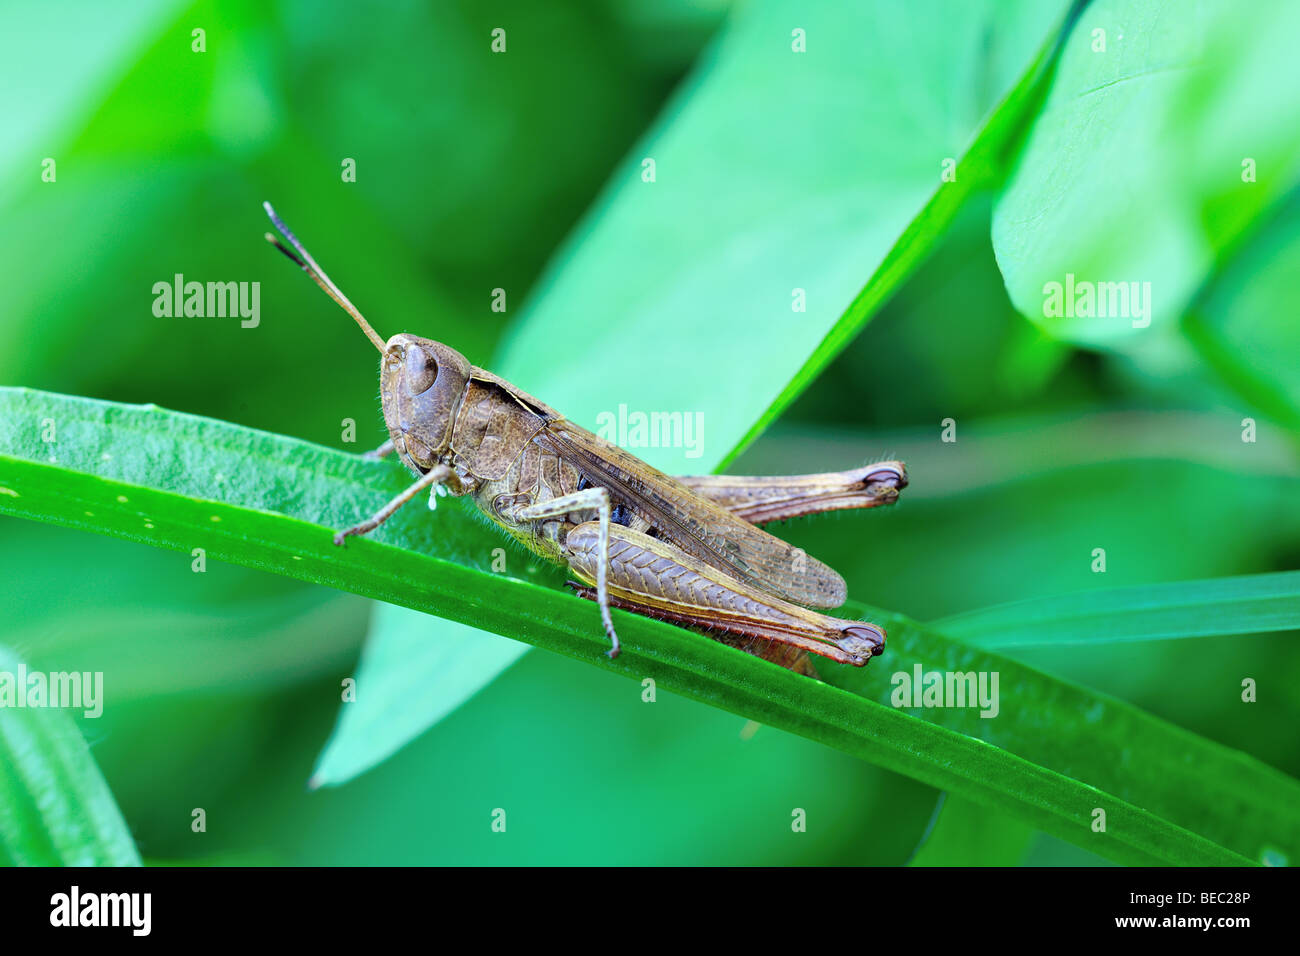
(421, 383)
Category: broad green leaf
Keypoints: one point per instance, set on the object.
(1054, 754)
(414, 671)
(55, 808)
(987, 361)
(1168, 130)
(1252, 604)
(792, 192)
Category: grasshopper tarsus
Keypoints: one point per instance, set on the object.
(615, 648)
(613, 652)
(863, 641)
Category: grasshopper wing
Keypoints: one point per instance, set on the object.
(696, 525)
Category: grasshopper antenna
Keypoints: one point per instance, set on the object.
(308, 265)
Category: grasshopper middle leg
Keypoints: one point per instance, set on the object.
(585, 500)
(383, 451)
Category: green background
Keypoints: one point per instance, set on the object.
(478, 172)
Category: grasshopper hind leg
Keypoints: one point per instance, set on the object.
(652, 577)
(759, 500)
(783, 655)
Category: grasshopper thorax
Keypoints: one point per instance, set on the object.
(422, 384)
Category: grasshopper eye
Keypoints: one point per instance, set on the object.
(421, 370)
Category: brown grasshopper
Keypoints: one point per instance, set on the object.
(679, 549)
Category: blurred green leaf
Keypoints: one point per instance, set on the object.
(1243, 324)
(1058, 752)
(1168, 130)
(899, 372)
(155, 651)
(55, 808)
(479, 162)
(414, 671)
(818, 171)
(981, 164)
(1015, 507)
(967, 834)
(146, 619)
(1252, 604)
(189, 144)
(573, 753)
(48, 95)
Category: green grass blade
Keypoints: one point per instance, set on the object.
(55, 808)
(1054, 755)
(1251, 604)
(1087, 736)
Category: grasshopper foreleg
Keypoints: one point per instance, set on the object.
(585, 500)
(436, 474)
(383, 451)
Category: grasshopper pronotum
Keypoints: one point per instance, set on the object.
(680, 549)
